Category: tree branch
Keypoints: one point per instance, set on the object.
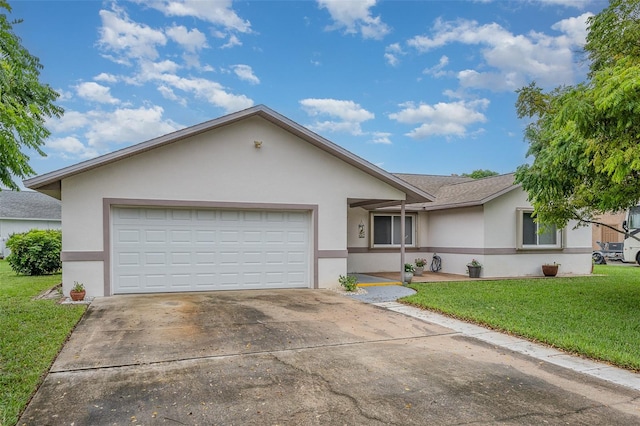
(595, 222)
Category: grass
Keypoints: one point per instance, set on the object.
(597, 316)
(31, 334)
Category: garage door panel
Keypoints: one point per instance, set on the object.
(128, 236)
(155, 214)
(205, 236)
(163, 249)
(205, 258)
(181, 236)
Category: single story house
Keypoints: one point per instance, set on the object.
(253, 200)
(22, 211)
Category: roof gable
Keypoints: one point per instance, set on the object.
(50, 183)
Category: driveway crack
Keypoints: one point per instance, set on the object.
(327, 383)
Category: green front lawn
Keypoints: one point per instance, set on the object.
(31, 334)
(598, 316)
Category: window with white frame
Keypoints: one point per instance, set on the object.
(532, 235)
(387, 231)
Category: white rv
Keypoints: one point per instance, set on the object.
(631, 225)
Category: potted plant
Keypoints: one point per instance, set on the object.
(409, 269)
(474, 268)
(550, 269)
(78, 292)
(420, 266)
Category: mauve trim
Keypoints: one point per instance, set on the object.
(81, 256)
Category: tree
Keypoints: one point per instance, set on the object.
(480, 173)
(585, 139)
(25, 104)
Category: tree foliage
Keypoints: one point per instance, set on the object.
(480, 173)
(585, 139)
(25, 104)
(36, 252)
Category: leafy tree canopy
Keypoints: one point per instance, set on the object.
(585, 139)
(480, 173)
(25, 104)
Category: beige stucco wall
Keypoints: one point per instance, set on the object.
(222, 165)
(500, 234)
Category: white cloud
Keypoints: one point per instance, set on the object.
(208, 90)
(437, 70)
(127, 125)
(106, 78)
(355, 17)
(168, 93)
(233, 41)
(217, 12)
(134, 40)
(441, 119)
(70, 121)
(392, 52)
(575, 29)
(513, 59)
(150, 70)
(70, 147)
(91, 133)
(381, 138)
(95, 92)
(579, 4)
(245, 73)
(349, 115)
(192, 40)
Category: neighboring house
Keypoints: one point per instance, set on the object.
(21, 211)
(254, 200)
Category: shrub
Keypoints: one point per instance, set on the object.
(350, 282)
(36, 252)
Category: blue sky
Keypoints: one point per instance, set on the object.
(411, 86)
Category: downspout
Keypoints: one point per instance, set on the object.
(402, 232)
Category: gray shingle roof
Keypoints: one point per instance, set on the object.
(28, 205)
(431, 183)
(456, 191)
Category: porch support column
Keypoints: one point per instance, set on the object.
(402, 234)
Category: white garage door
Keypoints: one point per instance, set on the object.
(169, 249)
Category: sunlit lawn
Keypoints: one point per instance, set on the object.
(597, 316)
(31, 334)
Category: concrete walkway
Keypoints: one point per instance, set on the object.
(385, 296)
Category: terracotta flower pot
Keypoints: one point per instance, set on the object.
(76, 296)
(550, 270)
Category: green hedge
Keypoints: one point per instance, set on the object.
(36, 252)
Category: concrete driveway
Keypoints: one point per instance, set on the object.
(300, 357)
